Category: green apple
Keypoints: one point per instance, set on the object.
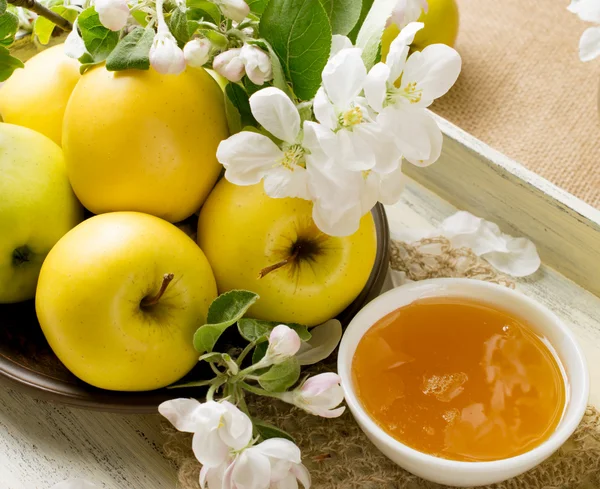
(37, 207)
(119, 299)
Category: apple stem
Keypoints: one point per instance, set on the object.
(150, 301)
(280, 264)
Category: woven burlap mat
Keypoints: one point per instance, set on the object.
(340, 456)
(523, 90)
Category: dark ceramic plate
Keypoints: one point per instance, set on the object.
(27, 363)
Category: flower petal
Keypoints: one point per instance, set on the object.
(587, 10)
(209, 448)
(324, 340)
(434, 70)
(236, 431)
(280, 448)
(324, 110)
(353, 149)
(399, 49)
(345, 223)
(251, 470)
(274, 110)
(288, 482)
(343, 77)
(302, 474)
(183, 414)
(391, 186)
(282, 182)
(247, 156)
(376, 85)
(589, 44)
(338, 43)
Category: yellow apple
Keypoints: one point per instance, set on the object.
(36, 96)
(441, 27)
(140, 141)
(307, 277)
(37, 207)
(110, 308)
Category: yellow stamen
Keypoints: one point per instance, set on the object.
(352, 117)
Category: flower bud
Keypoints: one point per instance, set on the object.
(236, 10)
(197, 52)
(166, 56)
(257, 64)
(229, 65)
(284, 343)
(113, 14)
(319, 395)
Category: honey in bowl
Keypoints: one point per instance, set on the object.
(460, 380)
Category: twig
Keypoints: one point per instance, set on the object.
(39, 9)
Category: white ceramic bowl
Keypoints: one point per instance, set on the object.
(466, 474)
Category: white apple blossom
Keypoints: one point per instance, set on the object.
(219, 428)
(407, 11)
(166, 56)
(113, 14)
(589, 43)
(284, 343)
(355, 141)
(74, 45)
(197, 52)
(249, 157)
(339, 42)
(319, 395)
(256, 63)
(236, 10)
(425, 76)
(230, 65)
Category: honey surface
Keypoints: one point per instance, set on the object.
(459, 380)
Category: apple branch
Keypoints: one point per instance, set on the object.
(150, 301)
(39, 9)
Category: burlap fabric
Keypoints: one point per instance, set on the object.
(340, 456)
(523, 90)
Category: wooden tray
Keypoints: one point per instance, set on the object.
(42, 443)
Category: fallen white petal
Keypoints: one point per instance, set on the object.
(323, 341)
(589, 44)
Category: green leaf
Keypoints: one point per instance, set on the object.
(9, 24)
(343, 14)
(216, 38)
(43, 27)
(234, 119)
(132, 52)
(259, 352)
(239, 98)
(366, 6)
(99, 41)
(8, 64)
(224, 311)
(281, 377)
(178, 25)
(213, 356)
(369, 36)
(257, 6)
(203, 9)
(300, 34)
(266, 431)
(141, 17)
(255, 329)
(3, 6)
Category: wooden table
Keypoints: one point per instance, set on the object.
(42, 443)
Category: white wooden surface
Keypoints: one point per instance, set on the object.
(42, 444)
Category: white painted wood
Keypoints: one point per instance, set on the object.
(476, 178)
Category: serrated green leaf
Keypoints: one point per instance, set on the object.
(257, 329)
(366, 6)
(99, 41)
(343, 14)
(281, 377)
(224, 311)
(259, 352)
(3, 6)
(266, 431)
(132, 52)
(203, 9)
(8, 64)
(178, 25)
(300, 35)
(9, 24)
(369, 36)
(239, 98)
(257, 6)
